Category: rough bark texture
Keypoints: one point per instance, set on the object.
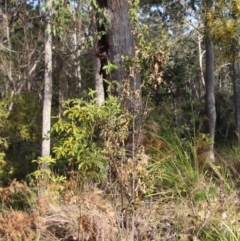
(210, 84)
(120, 38)
(47, 101)
(118, 42)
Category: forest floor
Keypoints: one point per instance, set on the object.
(186, 204)
(210, 212)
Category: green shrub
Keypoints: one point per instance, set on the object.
(87, 136)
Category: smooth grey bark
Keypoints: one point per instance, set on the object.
(98, 79)
(47, 100)
(201, 53)
(210, 89)
(76, 41)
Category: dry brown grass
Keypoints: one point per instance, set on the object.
(89, 218)
(93, 218)
(7, 192)
(17, 225)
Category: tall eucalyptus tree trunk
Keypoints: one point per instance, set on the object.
(119, 42)
(47, 100)
(210, 84)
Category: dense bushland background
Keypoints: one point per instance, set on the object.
(144, 136)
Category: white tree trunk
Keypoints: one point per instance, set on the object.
(98, 79)
(201, 53)
(47, 101)
(76, 41)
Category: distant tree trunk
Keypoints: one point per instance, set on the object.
(236, 86)
(119, 42)
(98, 51)
(210, 83)
(76, 41)
(9, 69)
(201, 53)
(47, 101)
(98, 79)
(210, 87)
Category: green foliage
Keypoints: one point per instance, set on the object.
(62, 16)
(109, 67)
(204, 193)
(178, 167)
(20, 133)
(5, 168)
(46, 177)
(24, 119)
(3, 120)
(151, 56)
(85, 132)
(41, 161)
(221, 231)
(223, 21)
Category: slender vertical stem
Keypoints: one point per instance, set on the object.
(47, 101)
